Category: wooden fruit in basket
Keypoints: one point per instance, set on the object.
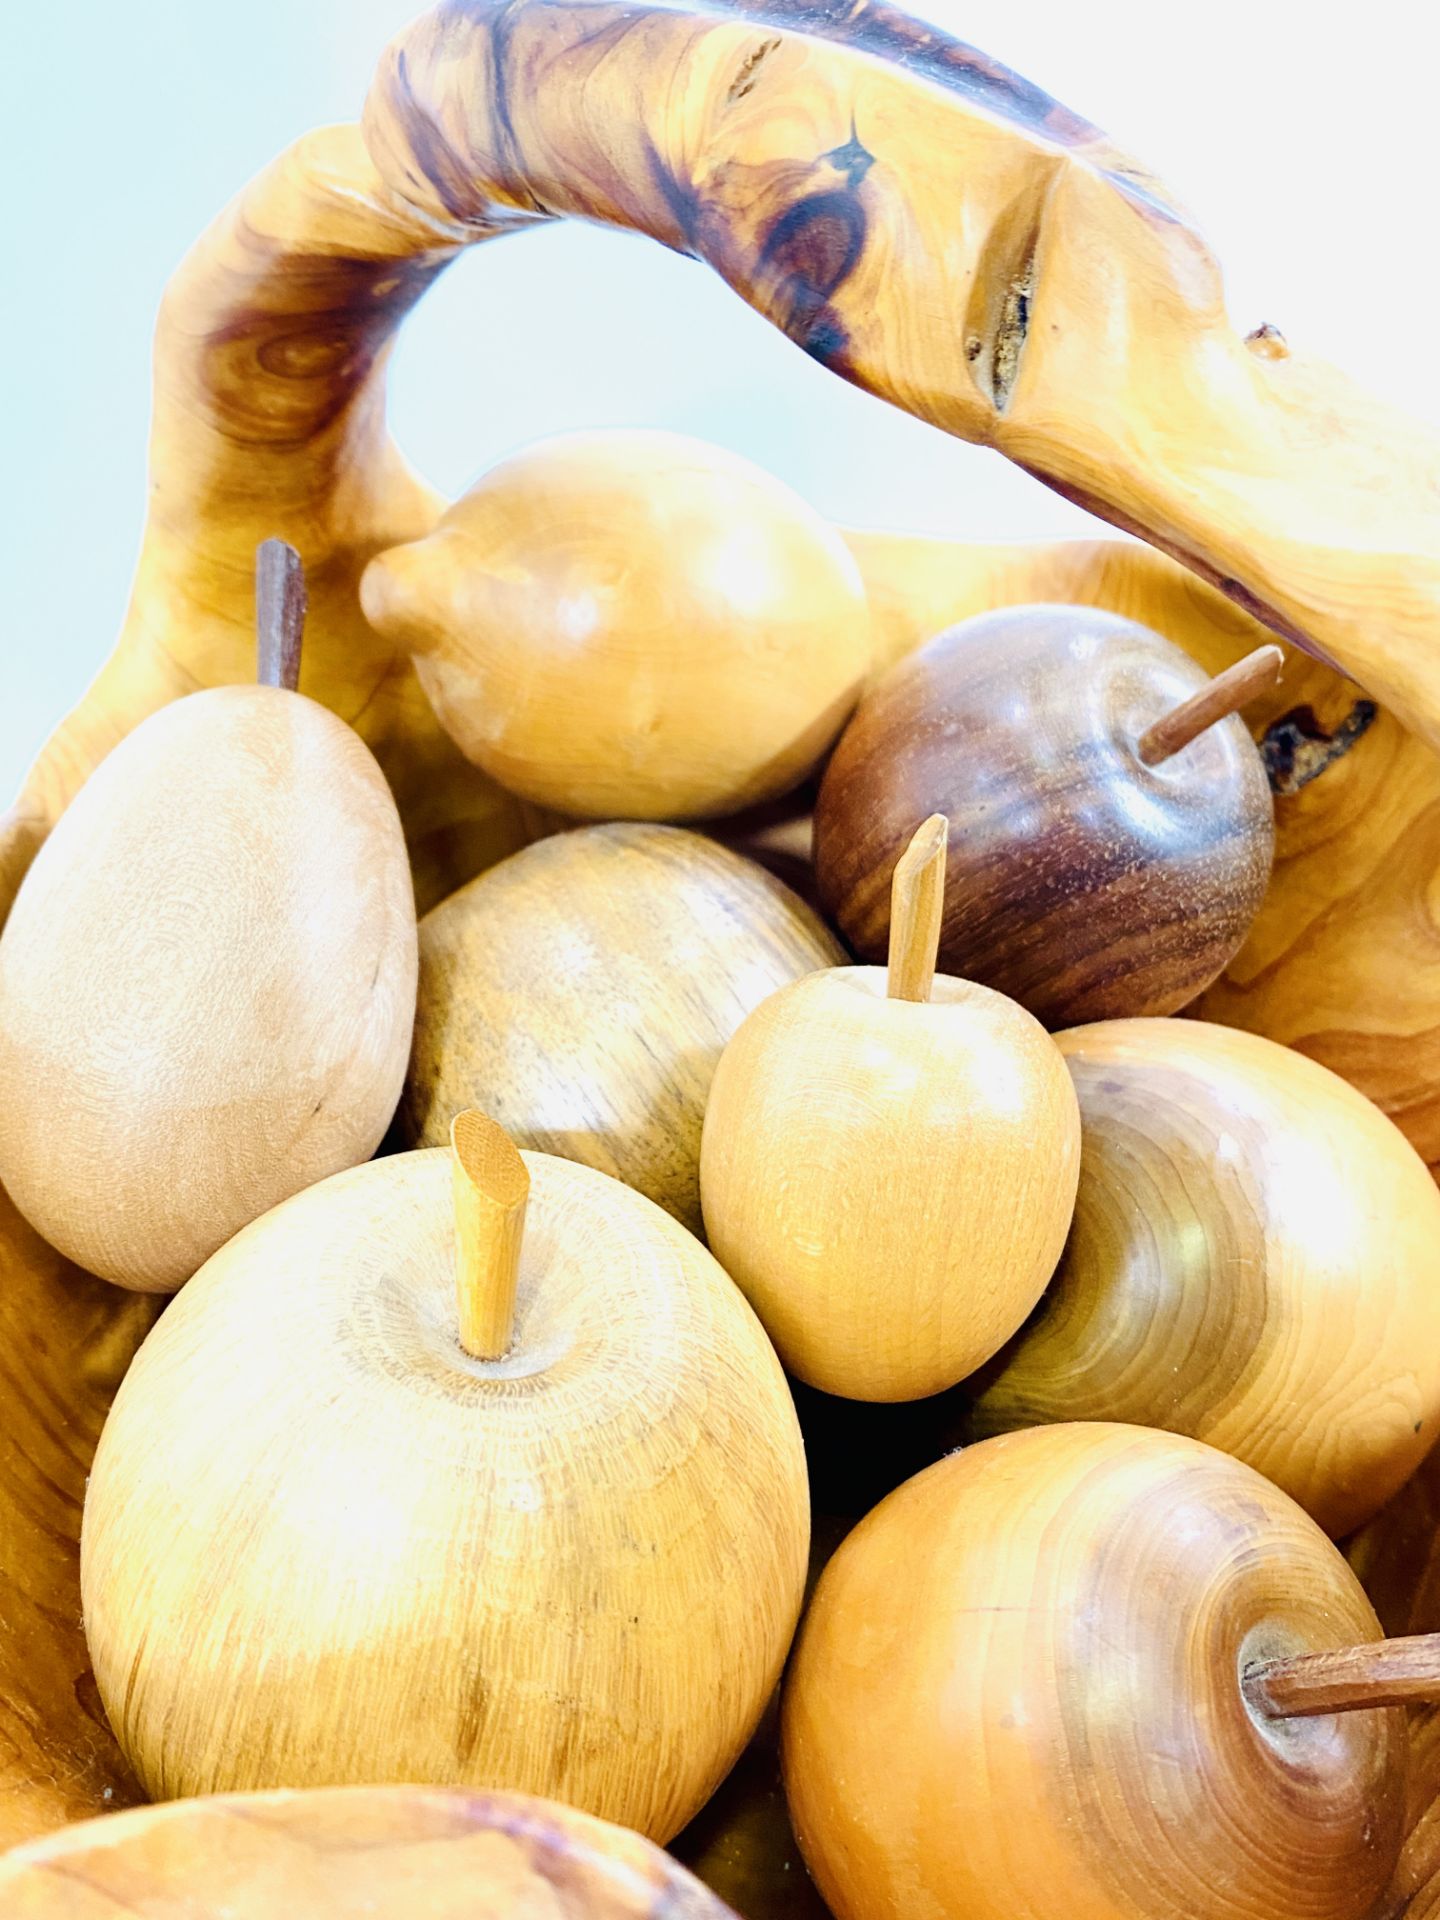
(207, 982)
(1255, 1261)
(631, 625)
(889, 1162)
(1111, 828)
(582, 992)
(500, 1494)
(1104, 1660)
(390, 1853)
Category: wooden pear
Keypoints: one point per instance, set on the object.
(1255, 1261)
(207, 981)
(336, 1534)
(1105, 1660)
(889, 1162)
(389, 1853)
(633, 625)
(582, 992)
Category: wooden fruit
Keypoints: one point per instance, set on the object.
(1255, 1261)
(207, 981)
(583, 992)
(1109, 843)
(327, 1542)
(389, 1853)
(631, 624)
(889, 1162)
(1099, 1664)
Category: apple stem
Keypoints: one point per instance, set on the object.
(1383, 1673)
(1223, 695)
(279, 613)
(491, 1185)
(917, 898)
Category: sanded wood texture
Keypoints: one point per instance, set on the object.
(390, 1853)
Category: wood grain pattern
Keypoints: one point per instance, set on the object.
(324, 1546)
(1022, 1673)
(582, 993)
(1382, 1673)
(65, 1341)
(1255, 1261)
(631, 625)
(392, 1853)
(1081, 882)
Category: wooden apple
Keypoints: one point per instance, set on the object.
(1255, 1261)
(393, 1853)
(889, 1162)
(1103, 1666)
(1111, 827)
(328, 1541)
(583, 991)
(631, 624)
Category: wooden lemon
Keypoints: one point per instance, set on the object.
(889, 1162)
(207, 981)
(632, 624)
(418, 1483)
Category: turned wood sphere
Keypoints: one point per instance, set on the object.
(1018, 1691)
(1255, 1261)
(889, 1181)
(207, 984)
(582, 992)
(1081, 882)
(389, 1853)
(632, 624)
(324, 1545)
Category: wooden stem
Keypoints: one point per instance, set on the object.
(279, 613)
(1384, 1673)
(1225, 694)
(491, 1187)
(917, 896)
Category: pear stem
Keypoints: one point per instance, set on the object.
(279, 614)
(491, 1185)
(917, 898)
(1383, 1673)
(1223, 695)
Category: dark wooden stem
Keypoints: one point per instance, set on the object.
(279, 613)
(917, 896)
(1385, 1673)
(1225, 694)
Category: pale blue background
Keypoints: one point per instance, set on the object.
(1308, 154)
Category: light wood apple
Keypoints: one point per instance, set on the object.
(1105, 1660)
(889, 1162)
(632, 625)
(1255, 1261)
(583, 991)
(389, 1853)
(349, 1522)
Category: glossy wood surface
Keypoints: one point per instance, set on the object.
(389, 1853)
(325, 1546)
(1081, 882)
(65, 1341)
(582, 993)
(632, 625)
(1022, 1673)
(1255, 1261)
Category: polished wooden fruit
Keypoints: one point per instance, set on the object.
(388, 1853)
(633, 625)
(889, 1162)
(1255, 1261)
(1043, 1665)
(207, 981)
(583, 992)
(1095, 868)
(329, 1541)
(65, 1341)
